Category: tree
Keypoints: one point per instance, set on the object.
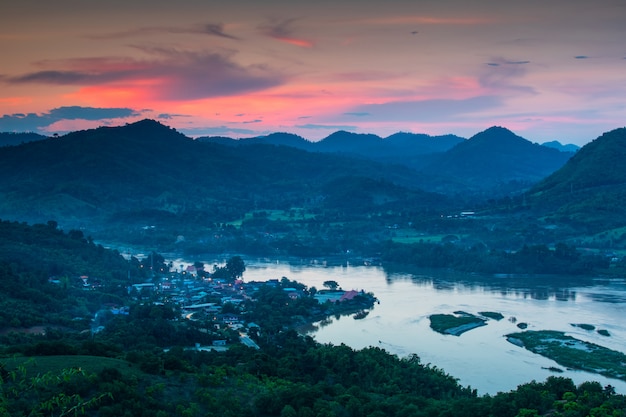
(235, 267)
(331, 284)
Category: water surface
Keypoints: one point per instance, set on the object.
(480, 358)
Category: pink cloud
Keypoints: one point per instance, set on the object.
(169, 74)
(283, 31)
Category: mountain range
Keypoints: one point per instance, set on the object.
(493, 161)
(148, 173)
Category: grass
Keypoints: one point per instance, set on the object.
(606, 239)
(39, 365)
(414, 236)
(295, 214)
(573, 353)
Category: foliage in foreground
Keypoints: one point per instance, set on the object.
(124, 370)
(297, 377)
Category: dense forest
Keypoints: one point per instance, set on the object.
(143, 362)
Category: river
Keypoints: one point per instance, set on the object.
(481, 358)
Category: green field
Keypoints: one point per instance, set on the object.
(39, 365)
(414, 236)
(294, 214)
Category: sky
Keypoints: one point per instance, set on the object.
(547, 70)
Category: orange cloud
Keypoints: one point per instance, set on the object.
(283, 31)
(297, 42)
(15, 101)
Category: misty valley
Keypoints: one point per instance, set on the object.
(147, 273)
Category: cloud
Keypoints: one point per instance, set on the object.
(504, 62)
(217, 30)
(427, 20)
(32, 122)
(435, 110)
(366, 75)
(170, 74)
(502, 75)
(581, 57)
(329, 127)
(90, 113)
(283, 31)
(358, 114)
(220, 131)
(168, 116)
(213, 29)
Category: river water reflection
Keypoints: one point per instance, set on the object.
(480, 358)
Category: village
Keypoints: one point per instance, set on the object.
(228, 310)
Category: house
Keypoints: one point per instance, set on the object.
(294, 295)
(228, 318)
(348, 295)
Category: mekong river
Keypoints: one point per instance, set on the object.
(481, 358)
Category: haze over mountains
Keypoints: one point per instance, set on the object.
(147, 173)
(495, 160)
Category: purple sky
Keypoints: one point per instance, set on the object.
(551, 70)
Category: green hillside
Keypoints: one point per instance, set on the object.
(589, 192)
(497, 159)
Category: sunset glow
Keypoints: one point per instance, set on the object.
(554, 72)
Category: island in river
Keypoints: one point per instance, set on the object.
(572, 353)
(561, 348)
(460, 321)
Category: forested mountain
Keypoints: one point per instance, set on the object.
(146, 172)
(496, 158)
(402, 148)
(10, 139)
(560, 147)
(590, 189)
(495, 162)
(277, 139)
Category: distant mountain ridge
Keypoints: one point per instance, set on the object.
(146, 173)
(11, 139)
(559, 146)
(591, 187)
(494, 158)
(400, 148)
(146, 167)
(448, 163)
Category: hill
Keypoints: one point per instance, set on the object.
(560, 147)
(494, 162)
(590, 189)
(495, 159)
(402, 148)
(276, 139)
(147, 175)
(11, 139)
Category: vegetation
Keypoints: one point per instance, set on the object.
(573, 353)
(535, 259)
(585, 326)
(144, 364)
(492, 315)
(455, 324)
(82, 332)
